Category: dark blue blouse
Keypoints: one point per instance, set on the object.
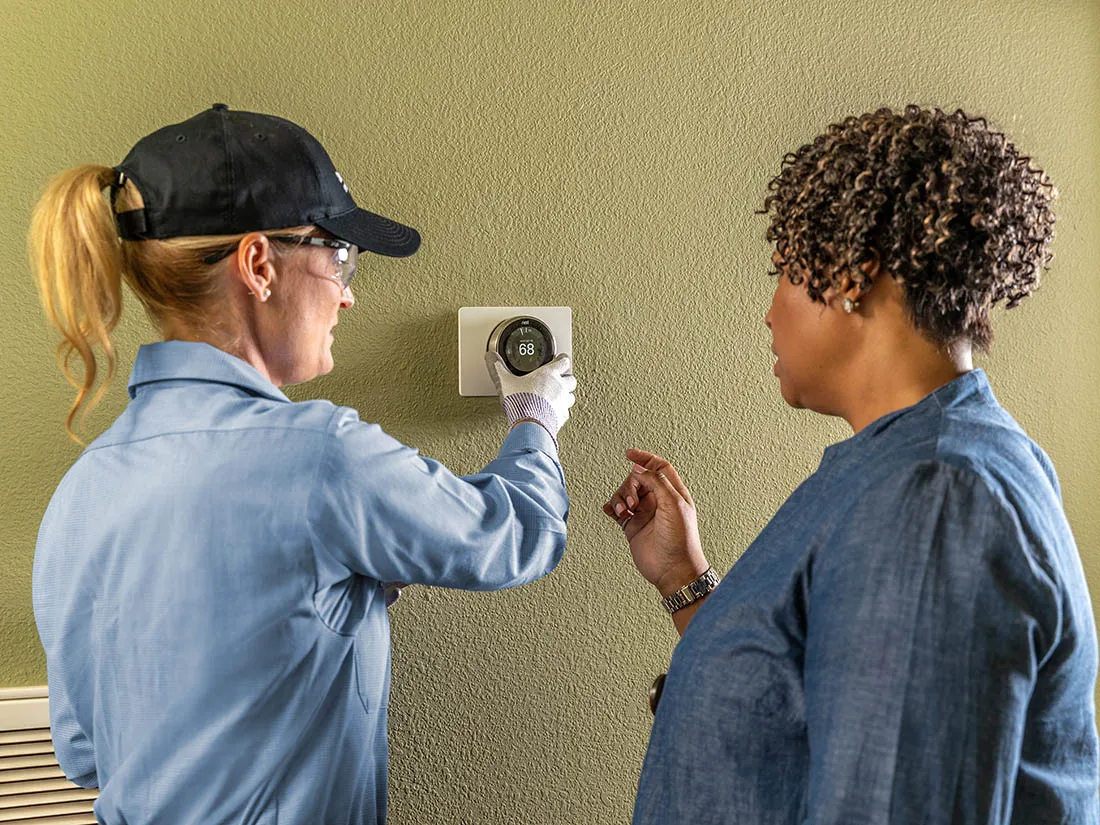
(909, 640)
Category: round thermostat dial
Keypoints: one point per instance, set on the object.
(524, 343)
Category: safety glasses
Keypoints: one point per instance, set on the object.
(345, 256)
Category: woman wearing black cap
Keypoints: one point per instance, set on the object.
(910, 639)
(209, 575)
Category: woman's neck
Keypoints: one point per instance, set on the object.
(901, 376)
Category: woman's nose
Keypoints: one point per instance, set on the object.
(771, 309)
(347, 299)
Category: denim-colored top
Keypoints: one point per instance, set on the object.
(208, 591)
(909, 640)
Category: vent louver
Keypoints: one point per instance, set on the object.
(33, 790)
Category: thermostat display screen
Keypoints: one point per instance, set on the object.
(525, 344)
(525, 349)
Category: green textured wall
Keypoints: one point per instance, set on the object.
(603, 155)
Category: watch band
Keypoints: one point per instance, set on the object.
(691, 592)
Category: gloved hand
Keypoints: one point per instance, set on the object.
(544, 395)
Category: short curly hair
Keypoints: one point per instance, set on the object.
(944, 203)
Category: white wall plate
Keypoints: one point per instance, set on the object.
(476, 324)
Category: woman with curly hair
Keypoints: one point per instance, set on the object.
(910, 639)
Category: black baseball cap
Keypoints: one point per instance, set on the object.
(226, 172)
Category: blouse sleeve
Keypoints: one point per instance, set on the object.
(927, 622)
(388, 513)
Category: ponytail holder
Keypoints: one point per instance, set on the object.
(131, 224)
(116, 184)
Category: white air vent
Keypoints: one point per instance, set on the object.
(33, 790)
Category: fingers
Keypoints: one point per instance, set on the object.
(656, 484)
(626, 499)
(662, 470)
(631, 520)
(562, 369)
(561, 365)
(651, 481)
(642, 490)
(609, 509)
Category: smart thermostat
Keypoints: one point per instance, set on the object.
(524, 337)
(524, 343)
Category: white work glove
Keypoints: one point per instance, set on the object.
(544, 395)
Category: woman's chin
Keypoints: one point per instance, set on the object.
(327, 359)
(788, 394)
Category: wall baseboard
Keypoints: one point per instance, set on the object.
(24, 708)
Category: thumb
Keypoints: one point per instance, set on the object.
(495, 364)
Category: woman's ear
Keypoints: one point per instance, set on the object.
(852, 290)
(254, 262)
(871, 264)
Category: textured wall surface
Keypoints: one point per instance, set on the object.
(603, 155)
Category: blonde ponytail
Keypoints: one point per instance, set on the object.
(76, 258)
(79, 264)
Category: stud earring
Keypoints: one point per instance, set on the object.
(850, 305)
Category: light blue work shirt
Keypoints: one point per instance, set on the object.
(909, 640)
(208, 591)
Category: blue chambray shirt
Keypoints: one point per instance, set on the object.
(909, 640)
(208, 590)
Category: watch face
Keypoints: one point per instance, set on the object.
(525, 349)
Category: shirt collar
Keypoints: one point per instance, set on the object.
(970, 388)
(197, 361)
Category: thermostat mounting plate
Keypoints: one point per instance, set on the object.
(476, 324)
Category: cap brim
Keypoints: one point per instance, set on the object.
(373, 233)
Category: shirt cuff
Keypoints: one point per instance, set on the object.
(530, 436)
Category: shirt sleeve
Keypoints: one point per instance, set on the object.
(388, 513)
(928, 619)
(70, 711)
(71, 745)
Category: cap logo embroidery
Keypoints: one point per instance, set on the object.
(339, 178)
